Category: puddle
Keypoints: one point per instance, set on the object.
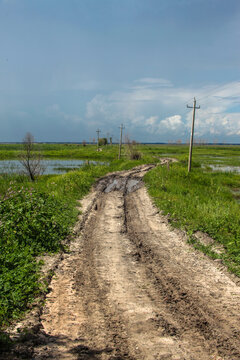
(122, 184)
(132, 185)
(170, 154)
(213, 156)
(235, 169)
(52, 167)
(115, 185)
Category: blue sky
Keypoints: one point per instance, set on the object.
(68, 67)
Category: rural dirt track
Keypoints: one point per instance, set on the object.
(132, 288)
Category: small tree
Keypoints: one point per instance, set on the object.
(132, 149)
(30, 159)
(103, 141)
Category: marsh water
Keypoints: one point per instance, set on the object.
(55, 166)
(225, 168)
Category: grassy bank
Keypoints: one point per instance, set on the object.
(200, 201)
(35, 218)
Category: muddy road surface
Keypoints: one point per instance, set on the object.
(132, 288)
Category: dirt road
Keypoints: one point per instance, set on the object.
(132, 288)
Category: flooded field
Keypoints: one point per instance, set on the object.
(224, 168)
(51, 167)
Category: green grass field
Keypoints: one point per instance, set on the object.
(77, 151)
(37, 216)
(62, 151)
(200, 201)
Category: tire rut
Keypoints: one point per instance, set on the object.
(202, 302)
(132, 288)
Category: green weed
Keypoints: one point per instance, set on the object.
(35, 219)
(199, 201)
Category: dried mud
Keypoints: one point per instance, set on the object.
(132, 288)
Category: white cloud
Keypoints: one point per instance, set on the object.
(220, 113)
(172, 123)
(152, 120)
(145, 106)
(104, 107)
(217, 124)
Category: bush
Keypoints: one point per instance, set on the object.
(32, 222)
(135, 155)
(132, 149)
(38, 219)
(102, 141)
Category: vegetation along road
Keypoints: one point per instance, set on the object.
(150, 270)
(131, 287)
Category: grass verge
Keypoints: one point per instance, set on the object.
(35, 219)
(200, 201)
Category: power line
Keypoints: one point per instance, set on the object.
(216, 88)
(222, 87)
(216, 100)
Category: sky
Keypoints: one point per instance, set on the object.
(70, 67)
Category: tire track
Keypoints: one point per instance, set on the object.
(132, 288)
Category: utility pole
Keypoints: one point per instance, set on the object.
(194, 107)
(98, 131)
(110, 139)
(120, 141)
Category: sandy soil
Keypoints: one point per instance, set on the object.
(132, 288)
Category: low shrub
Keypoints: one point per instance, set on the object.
(32, 222)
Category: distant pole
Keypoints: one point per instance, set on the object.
(194, 107)
(120, 141)
(98, 131)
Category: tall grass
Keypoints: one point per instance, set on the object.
(200, 201)
(34, 219)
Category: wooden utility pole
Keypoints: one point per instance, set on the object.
(98, 131)
(120, 141)
(194, 107)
